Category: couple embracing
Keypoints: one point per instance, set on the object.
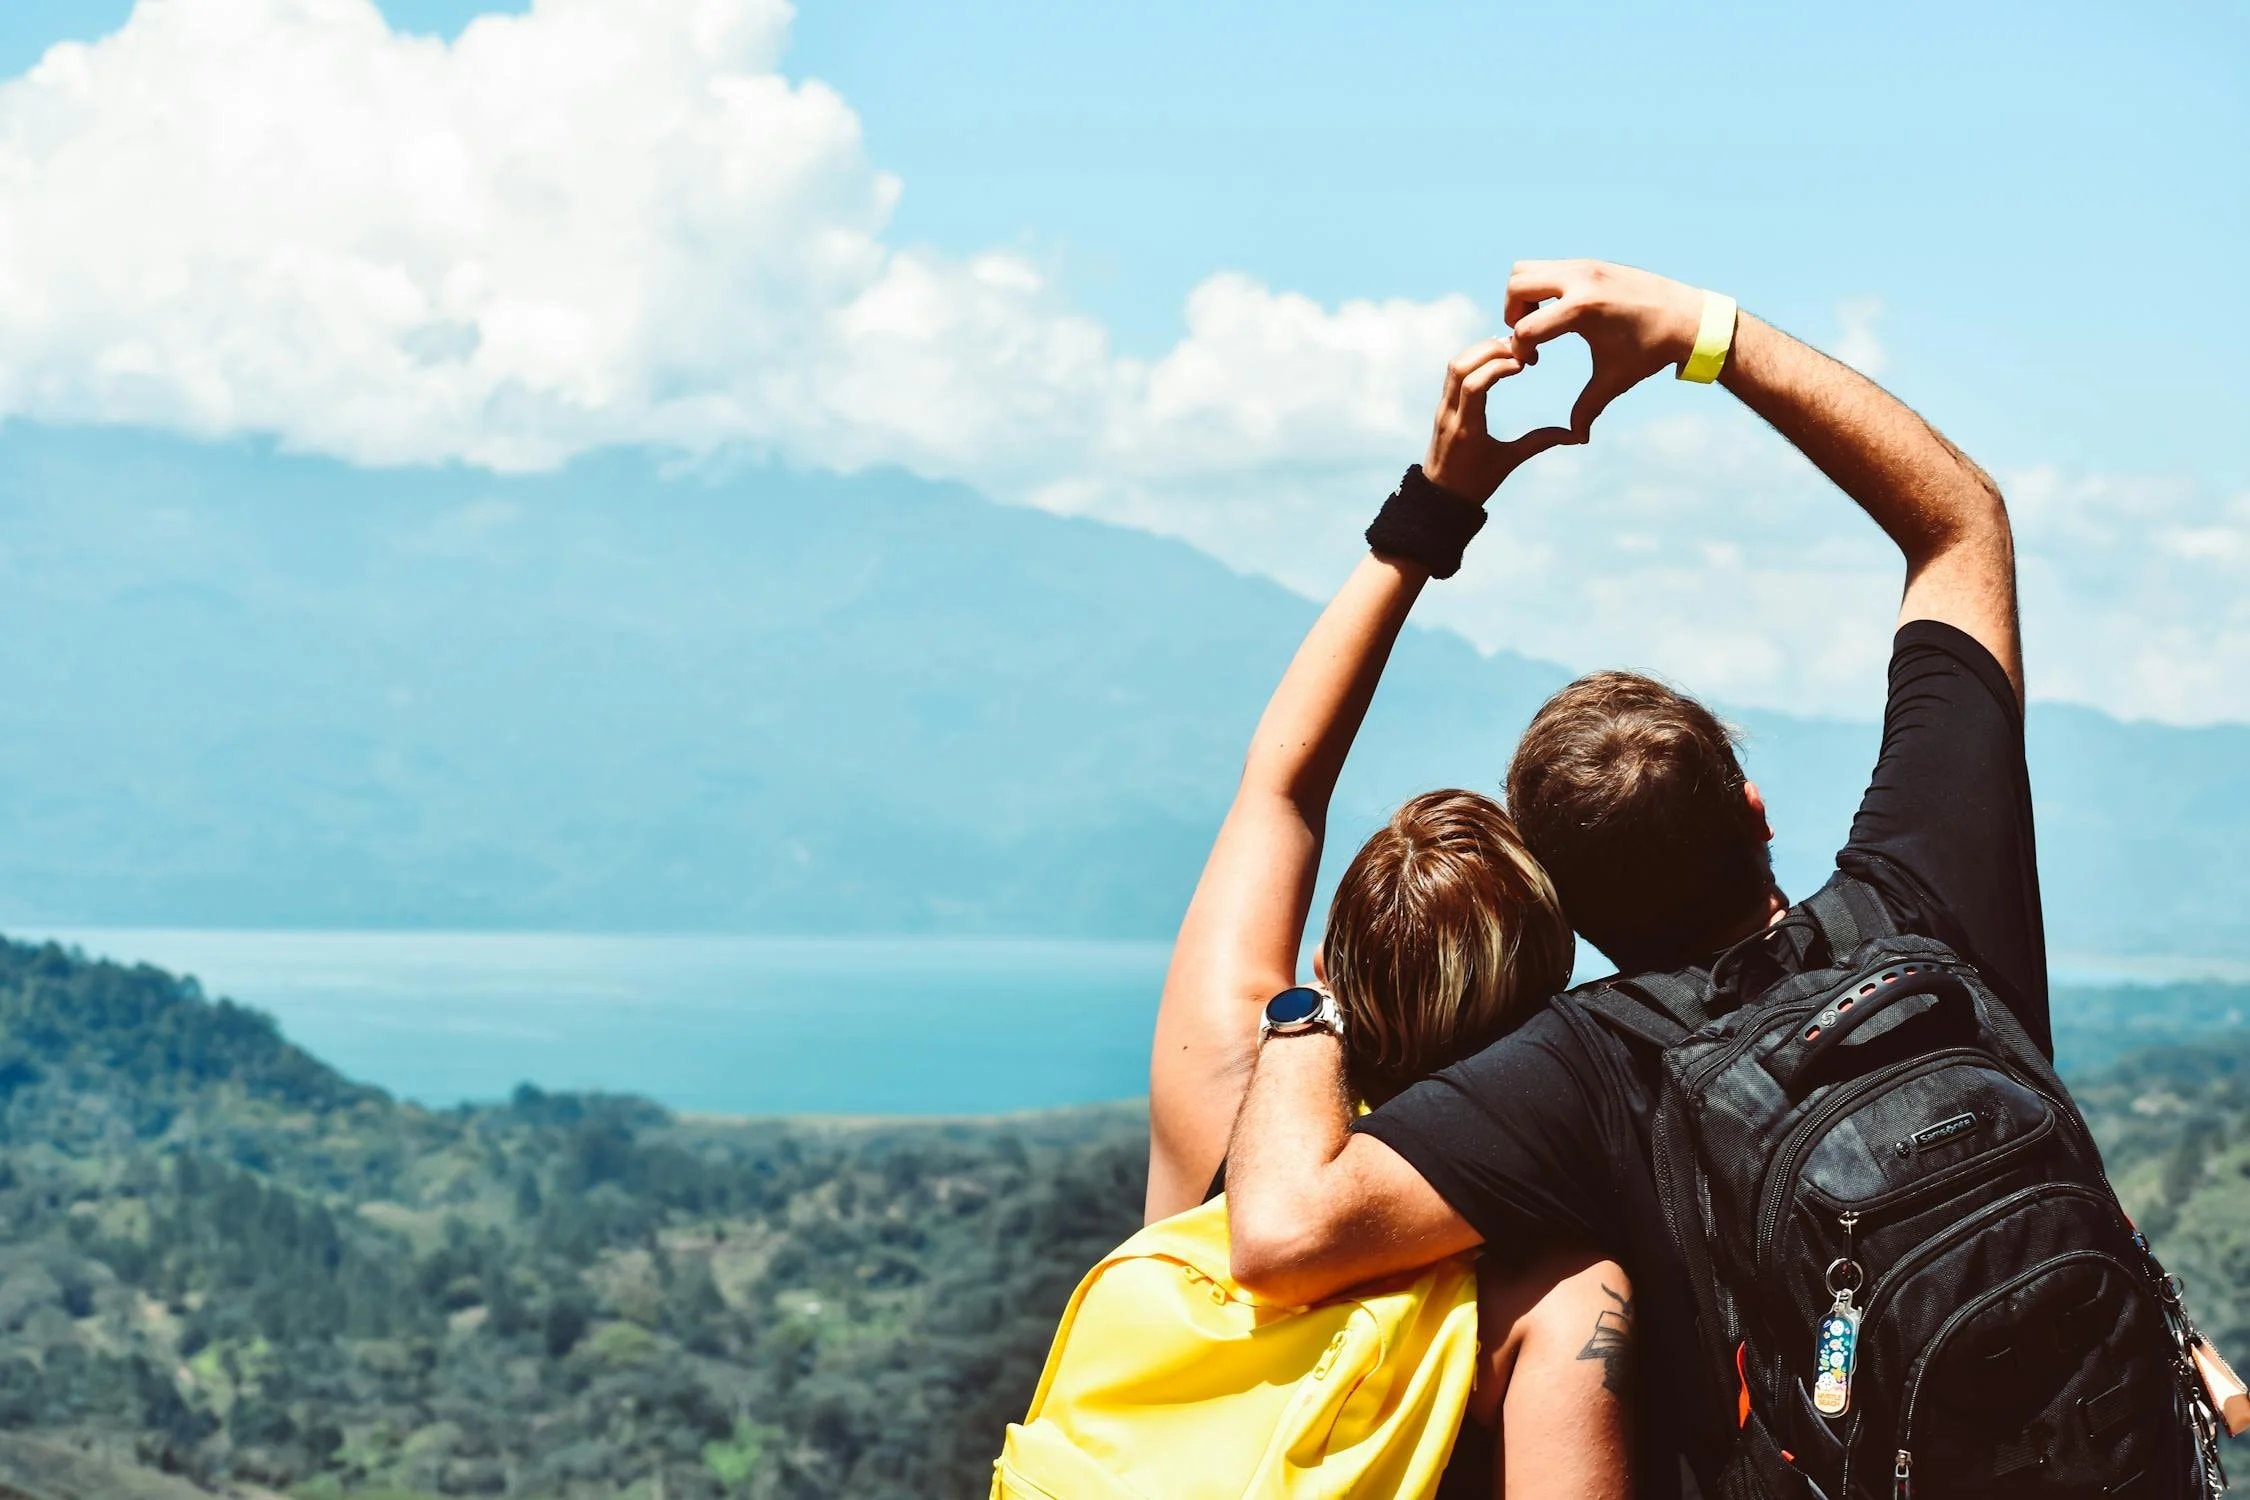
(1794, 1204)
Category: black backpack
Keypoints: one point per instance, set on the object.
(1911, 1277)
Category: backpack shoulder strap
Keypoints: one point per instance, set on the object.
(1681, 996)
(1849, 913)
(1661, 1013)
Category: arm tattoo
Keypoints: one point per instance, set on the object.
(1612, 1344)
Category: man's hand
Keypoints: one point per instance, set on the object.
(1465, 459)
(1635, 322)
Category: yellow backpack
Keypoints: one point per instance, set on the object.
(1167, 1381)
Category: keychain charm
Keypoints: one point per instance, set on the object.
(1836, 1347)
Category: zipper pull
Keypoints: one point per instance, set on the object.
(1902, 1483)
(1836, 1340)
(1835, 1351)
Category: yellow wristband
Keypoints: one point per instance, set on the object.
(1713, 339)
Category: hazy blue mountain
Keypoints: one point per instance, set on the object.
(247, 689)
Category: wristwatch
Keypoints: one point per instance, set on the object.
(1300, 1009)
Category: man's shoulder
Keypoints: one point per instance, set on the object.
(1544, 1053)
(1562, 1037)
(1551, 1027)
(1547, 1021)
(1903, 895)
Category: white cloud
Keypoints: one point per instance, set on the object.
(2133, 592)
(565, 229)
(609, 222)
(1263, 376)
(1703, 548)
(600, 222)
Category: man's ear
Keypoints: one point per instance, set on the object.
(1757, 801)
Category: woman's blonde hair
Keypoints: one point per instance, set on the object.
(1443, 933)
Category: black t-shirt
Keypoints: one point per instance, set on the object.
(1542, 1137)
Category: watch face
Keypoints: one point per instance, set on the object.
(1293, 1006)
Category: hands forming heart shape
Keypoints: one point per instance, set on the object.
(1634, 322)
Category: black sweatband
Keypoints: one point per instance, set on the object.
(1425, 525)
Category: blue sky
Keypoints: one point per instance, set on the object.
(2035, 217)
(1993, 172)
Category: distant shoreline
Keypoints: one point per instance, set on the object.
(2085, 971)
(856, 1034)
(1121, 1108)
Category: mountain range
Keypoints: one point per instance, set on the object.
(252, 689)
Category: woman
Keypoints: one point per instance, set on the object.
(1442, 933)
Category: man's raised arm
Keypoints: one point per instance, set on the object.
(1945, 513)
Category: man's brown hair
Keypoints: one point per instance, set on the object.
(1631, 795)
(1443, 932)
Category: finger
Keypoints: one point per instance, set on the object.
(1539, 279)
(1535, 442)
(1473, 358)
(1516, 452)
(1535, 328)
(1604, 386)
(1531, 282)
(1485, 376)
(1469, 401)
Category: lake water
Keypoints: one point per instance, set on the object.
(729, 1025)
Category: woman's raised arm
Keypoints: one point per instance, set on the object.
(1239, 941)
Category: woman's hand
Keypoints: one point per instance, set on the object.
(1465, 459)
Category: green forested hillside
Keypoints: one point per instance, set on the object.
(221, 1261)
(2175, 1129)
(219, 1258)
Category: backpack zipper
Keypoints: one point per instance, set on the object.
(1771, 1204)
(1901, 1473)
(1774, 1197)
(1999, 1208)
(1930, 1248)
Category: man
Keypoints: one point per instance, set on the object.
(1632, 796)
